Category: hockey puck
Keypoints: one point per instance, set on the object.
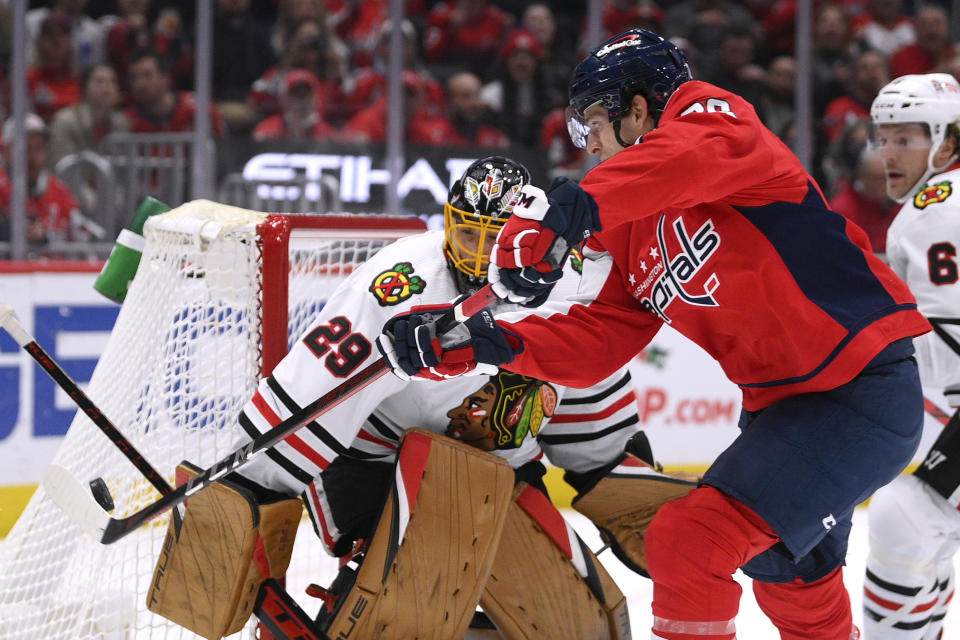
(101, 494)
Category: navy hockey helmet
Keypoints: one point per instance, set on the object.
(477, 207)
(634, 62)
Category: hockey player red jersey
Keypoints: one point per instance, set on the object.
(738, 252)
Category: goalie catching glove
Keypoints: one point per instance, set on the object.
(528, 258)
(477, 346)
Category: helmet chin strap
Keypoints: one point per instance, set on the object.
(616, 132)
(926, 174)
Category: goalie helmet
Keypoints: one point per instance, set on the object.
(477, 207)
(932, 99)
(634, 62)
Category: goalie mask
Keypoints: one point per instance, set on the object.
(475, 211)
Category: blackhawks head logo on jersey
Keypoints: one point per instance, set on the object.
(932, 194)
(501, 413)
(393, 286)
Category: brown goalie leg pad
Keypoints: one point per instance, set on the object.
(433, 547)
(546, 583)
(209, 572)
(623, 504)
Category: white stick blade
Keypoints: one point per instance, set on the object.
(75, 500)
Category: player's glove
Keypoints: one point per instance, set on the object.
(527, 259)
(413, 349)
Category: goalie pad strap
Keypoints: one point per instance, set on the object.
(623, 504)
(535, 592)
(433, 546)
(210, 570)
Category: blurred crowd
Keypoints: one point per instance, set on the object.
(488, 74)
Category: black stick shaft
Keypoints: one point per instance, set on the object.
(56, 372)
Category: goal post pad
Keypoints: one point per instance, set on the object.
(209, 571)
(433, 547)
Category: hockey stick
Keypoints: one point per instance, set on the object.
(12, 326)
(72, 497)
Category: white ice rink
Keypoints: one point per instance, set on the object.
(751, 623)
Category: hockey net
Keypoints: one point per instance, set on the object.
(218, 295)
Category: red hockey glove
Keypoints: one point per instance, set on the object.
(528, 258)
(413, 349)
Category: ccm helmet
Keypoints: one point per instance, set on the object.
(634, 62)
(931, 99)
(476, 209)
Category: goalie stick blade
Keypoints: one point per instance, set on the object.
(75, 500)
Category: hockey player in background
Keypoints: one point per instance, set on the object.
(913, 521)
(345, 463)
(698, 217)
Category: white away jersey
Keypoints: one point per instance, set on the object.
(922, 247)
(500, 413)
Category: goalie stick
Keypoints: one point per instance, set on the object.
(76, 501)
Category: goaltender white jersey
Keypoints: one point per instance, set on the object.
(502, 413)
(922, 244)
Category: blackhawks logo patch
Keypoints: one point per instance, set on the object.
(393, 286)
(576, 260)
(933, 193)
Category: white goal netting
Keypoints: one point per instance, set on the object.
(184, 355)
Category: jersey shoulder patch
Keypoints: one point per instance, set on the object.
(396, 284)
(932, 194)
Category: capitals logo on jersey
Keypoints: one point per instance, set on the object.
(393, 286)
(932, 194)
(666, 280)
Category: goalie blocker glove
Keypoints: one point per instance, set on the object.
(528, 258)
(477, 346)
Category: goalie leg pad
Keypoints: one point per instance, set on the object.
(623, 503)
(209, 571)
(546, 583)
(433, 547)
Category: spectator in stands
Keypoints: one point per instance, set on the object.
(132, 30)
(843, 155)
(832, 55)
(870, 74)
(51, 79)
(884, 28)
(465, 33)
(559, 57)
(733, 65)
(82, 126)
(299, 118)
(289, 14)
(702, 22)
(369, 83)
(86, 33)
(470, 116)
(931, 50)
(622, 15)
(50, 205)
(775, 107)
(307, 46)
(421, 126)
(155, 106)
(864, 200)
(241, 53)
(519, 93)
(361, 24)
